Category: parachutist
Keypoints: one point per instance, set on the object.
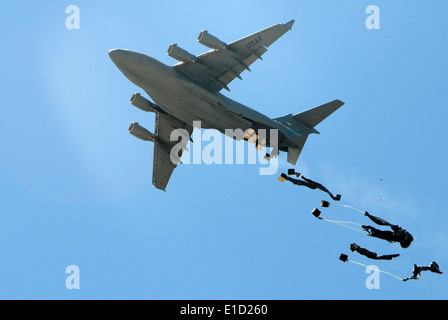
(433, 267)
(308, 183)
(372, 255)
(397, 234)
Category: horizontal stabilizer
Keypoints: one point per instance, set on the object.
(313, 117)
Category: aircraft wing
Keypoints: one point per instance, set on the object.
(218, 67)
(163, 165)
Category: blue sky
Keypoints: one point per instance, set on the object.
(76, 187)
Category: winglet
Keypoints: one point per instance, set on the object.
(289, 24)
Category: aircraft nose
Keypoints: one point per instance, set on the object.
(116, 55)
(136, 66)
(125, 60)
(129, 63)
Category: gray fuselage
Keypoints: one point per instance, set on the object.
(183, 98)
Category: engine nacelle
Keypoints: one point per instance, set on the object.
(176, 52)
(142, 103)
(139, 132)
(210, 41)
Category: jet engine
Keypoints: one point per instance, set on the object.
(176, 52)
(139, 132)
(210, 41)
(142, 103)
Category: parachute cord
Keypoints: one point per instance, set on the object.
(343, 224)
(397, 277)
(347, 206)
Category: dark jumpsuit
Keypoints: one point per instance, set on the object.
(397, 234)
(312, 185)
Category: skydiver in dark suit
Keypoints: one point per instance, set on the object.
(433, 267)
(307, 183)
(370, 254)
(398, 234)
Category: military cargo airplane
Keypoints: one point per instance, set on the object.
(190, 91)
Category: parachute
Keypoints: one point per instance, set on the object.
(344, 258)
(316, 212)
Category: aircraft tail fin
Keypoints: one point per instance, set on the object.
(313, 117)
(300, 125)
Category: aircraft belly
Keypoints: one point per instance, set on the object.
(213, 116)
(190, 103)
